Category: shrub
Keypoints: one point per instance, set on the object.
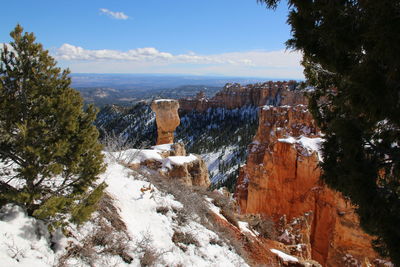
(184, 238)
(227, 208)
(109, 237)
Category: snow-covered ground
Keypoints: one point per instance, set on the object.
(24, 241)
(151, 226)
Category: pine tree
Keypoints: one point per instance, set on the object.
(351, 58)
(45, 135)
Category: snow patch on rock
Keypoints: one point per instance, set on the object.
(285, 257)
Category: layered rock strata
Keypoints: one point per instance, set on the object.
(235, 96)
(282, 179)
(167, 119)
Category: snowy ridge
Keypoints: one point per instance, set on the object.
(136, 156)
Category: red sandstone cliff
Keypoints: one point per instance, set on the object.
(235, 96)
(282, 179)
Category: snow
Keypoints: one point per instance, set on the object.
(137, 156)
(215, 209)
(137, 208)
(138, 211)
(267, 107)
(164, 100)
(289, 140)
(180, 160)
(311, 144)
(244, 227)
(25, 241)
(164, 147)
(285, 257)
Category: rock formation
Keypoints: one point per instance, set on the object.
(169, 159)
(235, 96)
(167, 119)
(171, 162)
(282, 179)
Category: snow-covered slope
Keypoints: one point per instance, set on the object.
(156, 231)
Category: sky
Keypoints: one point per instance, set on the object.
(207, 37)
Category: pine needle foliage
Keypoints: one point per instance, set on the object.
(45, 136)
(351, 57)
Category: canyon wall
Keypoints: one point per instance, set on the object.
(282, 180)
(235, 96)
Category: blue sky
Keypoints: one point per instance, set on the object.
(207, 37)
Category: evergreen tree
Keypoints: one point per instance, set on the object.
(351, 57)
(45, 136)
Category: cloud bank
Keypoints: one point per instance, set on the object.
(115, 15)
(273, 64)
(71, 52)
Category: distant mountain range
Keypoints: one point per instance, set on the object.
(153, 81)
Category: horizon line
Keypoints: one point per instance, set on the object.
(187, 75)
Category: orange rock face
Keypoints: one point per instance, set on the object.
(282, 178)
(167, 119)
(235, 96)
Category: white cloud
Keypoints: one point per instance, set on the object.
(274, 64)
(115, 15)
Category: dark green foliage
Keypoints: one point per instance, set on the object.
(45, 135)
(351, 57)
(82, 211)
